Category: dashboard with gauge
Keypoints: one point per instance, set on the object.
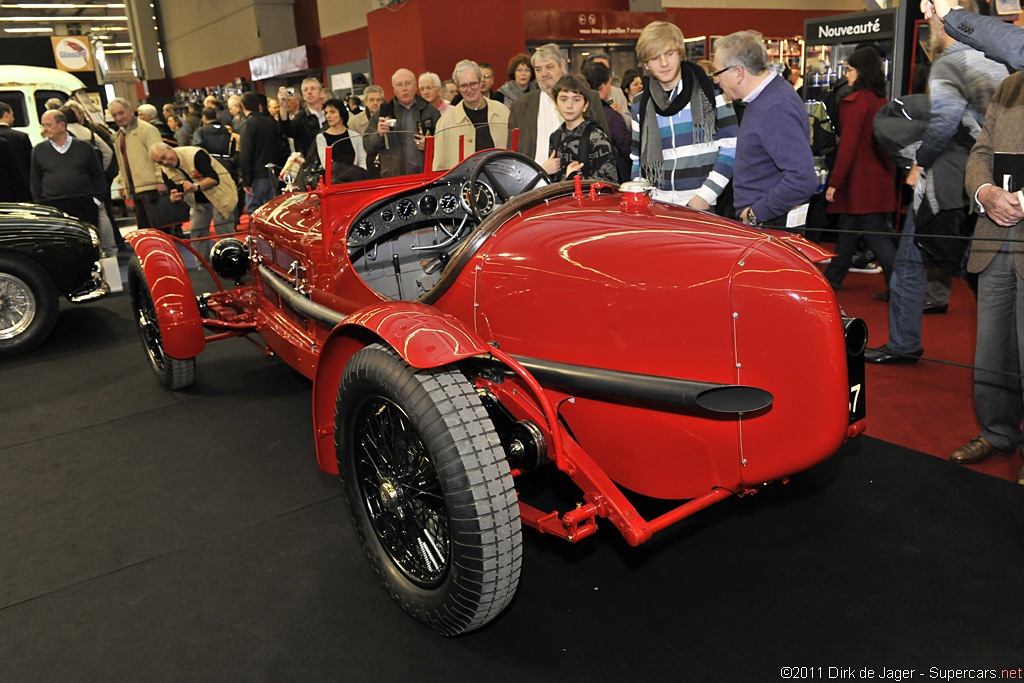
(446, 203)
(400, 245)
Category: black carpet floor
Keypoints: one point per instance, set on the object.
(156, 536)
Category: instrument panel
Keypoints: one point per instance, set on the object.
(445, 201)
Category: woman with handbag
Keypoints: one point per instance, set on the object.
(861, 189)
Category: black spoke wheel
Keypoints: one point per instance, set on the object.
(173, 373)
(28, 305)
(429, 491)
(509, 174)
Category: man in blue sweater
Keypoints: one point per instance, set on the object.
(773, 176)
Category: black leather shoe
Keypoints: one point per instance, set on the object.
(974, 451)
(886, 356)
(932, 308)
(881, 296)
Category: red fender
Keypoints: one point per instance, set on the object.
(181, 327)
(423, 336)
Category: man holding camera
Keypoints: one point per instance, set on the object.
(402, 126)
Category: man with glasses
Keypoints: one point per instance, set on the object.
(773, 175)
(684, 135)
(535, 113)
(430, 90)
(480, 122)
(401, 126)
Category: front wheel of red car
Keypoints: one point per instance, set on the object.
(429, 490)
(173, 373)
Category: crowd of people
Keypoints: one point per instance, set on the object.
(728, 136)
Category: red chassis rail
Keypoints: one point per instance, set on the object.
(601, 496)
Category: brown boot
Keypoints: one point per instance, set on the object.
(974, 451)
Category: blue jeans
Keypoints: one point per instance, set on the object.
(262, 192)
(201, 216)
(906, 293)
(998, 397)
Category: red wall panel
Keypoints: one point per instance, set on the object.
(430, 35)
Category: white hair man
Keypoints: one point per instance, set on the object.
(430, 90)
(373, 97)
(199, 180)
(138, 177)
(773, 174)
(481, 123)
(401, 127)
(535, 114)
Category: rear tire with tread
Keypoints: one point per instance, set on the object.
(429, 490)
(173, 373)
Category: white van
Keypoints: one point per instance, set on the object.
(26, 89)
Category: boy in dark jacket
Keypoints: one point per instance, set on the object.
(578, 146)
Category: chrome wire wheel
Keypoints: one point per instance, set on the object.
(401, 492)
(17, 306)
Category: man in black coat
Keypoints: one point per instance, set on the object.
(304, 125)
(21, 149)
(260, 144)
(401, 127)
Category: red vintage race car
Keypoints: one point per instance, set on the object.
(467, 328)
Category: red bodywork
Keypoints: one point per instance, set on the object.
(593, 279)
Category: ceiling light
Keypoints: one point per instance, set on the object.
(117, 52)
(58, 5)
(38, 29)
(76, 20)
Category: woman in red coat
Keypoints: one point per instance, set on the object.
(861, 188)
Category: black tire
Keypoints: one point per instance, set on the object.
(28, 305)
(173, 373)
(429, 490)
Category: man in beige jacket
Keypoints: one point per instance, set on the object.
(139, 176)
(480, 122)
(204, 184)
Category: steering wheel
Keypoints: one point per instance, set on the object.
(513, 183)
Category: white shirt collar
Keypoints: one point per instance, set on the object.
(757, 91)
(63, 148)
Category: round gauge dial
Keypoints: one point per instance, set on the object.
(428, 205)
(363, 230)
(449, 203)
(484, 198)
(406, 209)
(387, 216)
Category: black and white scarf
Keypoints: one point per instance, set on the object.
(654, 102)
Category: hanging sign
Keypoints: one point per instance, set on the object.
(72, 53)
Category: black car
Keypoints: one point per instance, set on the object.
(43, 253)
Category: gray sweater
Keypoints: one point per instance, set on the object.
(75, 173)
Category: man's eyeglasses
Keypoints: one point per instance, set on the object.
(469, 86)
(718, 73)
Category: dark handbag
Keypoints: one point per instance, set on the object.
(163, 212)
(942, 237)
